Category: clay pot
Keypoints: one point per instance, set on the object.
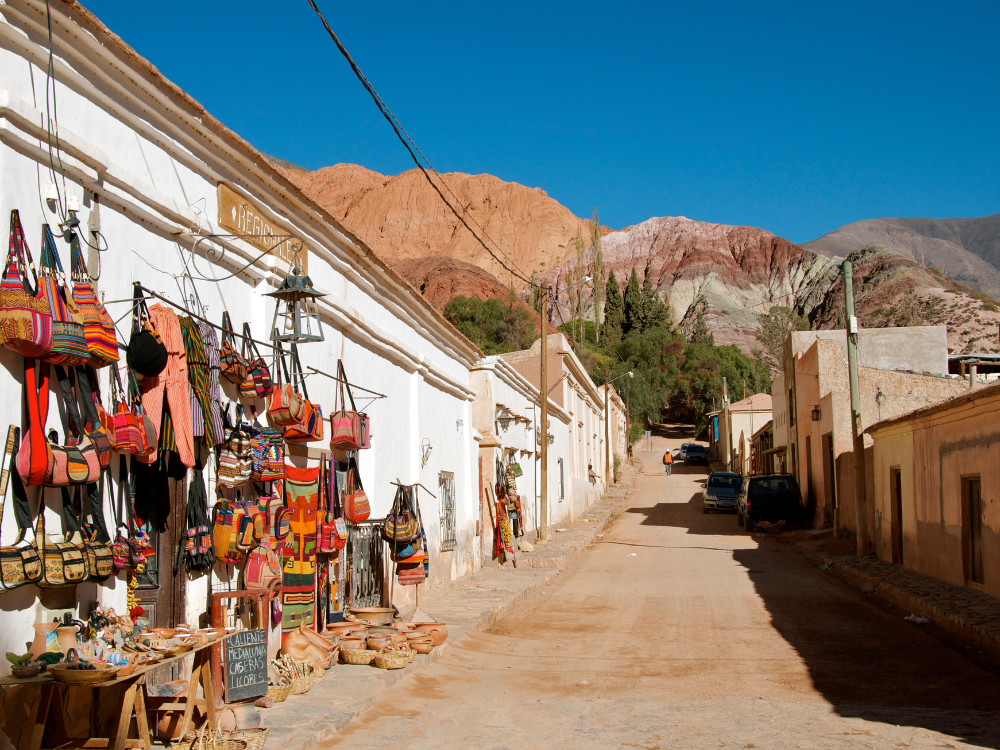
(381, 630)
(150, 639)
(376, 642)
(359, 631)
(437, 631)
(164, 632)
(398, 637)
(42, 630)
(348, 642)
(422, 647)
(67, 637)
(316, 639)
(405, 627)
(338, 629)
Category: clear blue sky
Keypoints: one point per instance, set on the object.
(795, 117)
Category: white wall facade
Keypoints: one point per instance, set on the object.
(145, 162)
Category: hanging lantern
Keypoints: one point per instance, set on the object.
(504, 418)
(296, 316)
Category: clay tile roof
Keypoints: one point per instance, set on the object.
(756, 402)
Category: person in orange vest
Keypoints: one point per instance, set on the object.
(668, 461)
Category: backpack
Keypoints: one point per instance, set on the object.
(223, 537)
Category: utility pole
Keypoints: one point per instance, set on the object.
(860, 511)
(543, 522)
(607, 443)
(725, 420)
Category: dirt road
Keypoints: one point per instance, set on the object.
(677, 630)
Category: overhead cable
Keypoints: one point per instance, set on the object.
(407, 141)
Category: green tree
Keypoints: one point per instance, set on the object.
(775, 325)
(655, 313)
(633, 306)
(496, 326)
(701, 333)
(614, 310)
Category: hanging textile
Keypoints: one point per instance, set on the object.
(172, 383)
(198, 381)
(211, 343)
(298, 579)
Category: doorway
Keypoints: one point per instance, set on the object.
(974, 528)
(896, 514)
(829, 474)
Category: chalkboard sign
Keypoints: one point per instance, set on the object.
(244, 657)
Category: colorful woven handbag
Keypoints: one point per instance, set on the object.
(25, 318)
(267, 451)
(34, 457)
(69, 344)
(145, 427)
(98, 327)
(232, 365)
(20, 563)
(348, 428)
(285, 406)
(401, 525)
(126, 427)
(353, 500)
(257, 383)
(63, 563)
(223, 535)
(235, 456)
(100, 561)
(91, 427)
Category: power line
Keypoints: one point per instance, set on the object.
(407, 141)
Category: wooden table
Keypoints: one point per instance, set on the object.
(135, 700)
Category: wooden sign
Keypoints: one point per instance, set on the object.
(240, 216)
(244, 658)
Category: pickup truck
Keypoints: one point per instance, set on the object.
(768, 497)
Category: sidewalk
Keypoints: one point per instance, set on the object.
(967, 615)
(472, 603)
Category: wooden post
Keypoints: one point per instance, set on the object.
(860, 513)
(543, 522)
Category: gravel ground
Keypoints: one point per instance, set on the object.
(677, 630)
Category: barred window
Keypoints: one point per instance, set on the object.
(446, 487)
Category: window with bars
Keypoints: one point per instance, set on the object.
(446, 487)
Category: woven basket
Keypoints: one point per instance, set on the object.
(254, 738)
(358, 656)
(410, 656)
(311, 677)
(203, 739)
(279, 693)
(299, 686)
(391, 661)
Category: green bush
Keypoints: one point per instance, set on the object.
(496, 326)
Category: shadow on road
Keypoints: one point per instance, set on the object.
(867, 662)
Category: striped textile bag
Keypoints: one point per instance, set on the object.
(126, 427)
(232, 365)
(69, 344)
(34, 456)
(235, 459)
(25, 319)
(257, 383)
(98, 328)
(267, 450)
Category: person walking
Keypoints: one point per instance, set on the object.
(668, 461)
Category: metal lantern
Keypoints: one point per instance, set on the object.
(552, 438)
(296, 316)
(504, 418)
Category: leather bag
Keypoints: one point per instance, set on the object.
(20, 563)
(285, 406)
(25, 318)
(353, 500)
(232, 364)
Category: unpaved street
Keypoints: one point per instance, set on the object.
(677, 630)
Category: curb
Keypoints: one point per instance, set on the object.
(986, 639)
(374, 682)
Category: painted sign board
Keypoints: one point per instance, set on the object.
(240, 216)
(244, 659)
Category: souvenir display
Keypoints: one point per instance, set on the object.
(98, 327)
(348, 428)
(25, 317)
(233, 365)
(69, 343)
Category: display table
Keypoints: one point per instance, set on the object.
(135, 700)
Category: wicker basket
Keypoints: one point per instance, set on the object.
(304, 683)
(410, 656)
(254, 738)
(391, 661)
(203, 739)
(358, 656)
(280, 692)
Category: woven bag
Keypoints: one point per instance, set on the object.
(25, 318)
(63, 563)
(20, 563)
(235, 457)
(257, 383)
(267, 449)
(348, 428)
(98, 327)
(126, 427)
(69, 344)
(232, 364)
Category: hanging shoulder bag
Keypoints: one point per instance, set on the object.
(98, 327)
(232, 364)
(144, 425)
(25, 318)
(100, 561)
(69, 344)
(34, 457)
(309, 427)
(401, 525)
(130, 548)
(146, 353)
(267, 452)
(235, 454)
(195, 546)
(285, 406)
(257, 383)
(20, 563)
(93, 409)
(353, 500)
(126, 428)
(63, 563)
(348, 428)
(91, 427)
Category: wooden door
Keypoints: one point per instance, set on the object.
(896, 518)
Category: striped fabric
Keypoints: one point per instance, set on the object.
(198, 377)
(298, 594)
(25, 320)
(98, 328)
(69, 345)
(211, 341)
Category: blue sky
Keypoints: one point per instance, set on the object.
(795, 117)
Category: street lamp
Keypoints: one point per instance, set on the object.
(608, 380)
(504, 418)
(295, 304)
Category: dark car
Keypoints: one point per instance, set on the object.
(768, 497)
(721, 490)
(696, 454)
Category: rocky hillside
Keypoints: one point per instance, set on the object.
(730, 274)
(403, 217)
(967, 250)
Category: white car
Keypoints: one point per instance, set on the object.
(721, 490)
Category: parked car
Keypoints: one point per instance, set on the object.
(683, 452)
(696, 454)
(768, 497)
(721, 491)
